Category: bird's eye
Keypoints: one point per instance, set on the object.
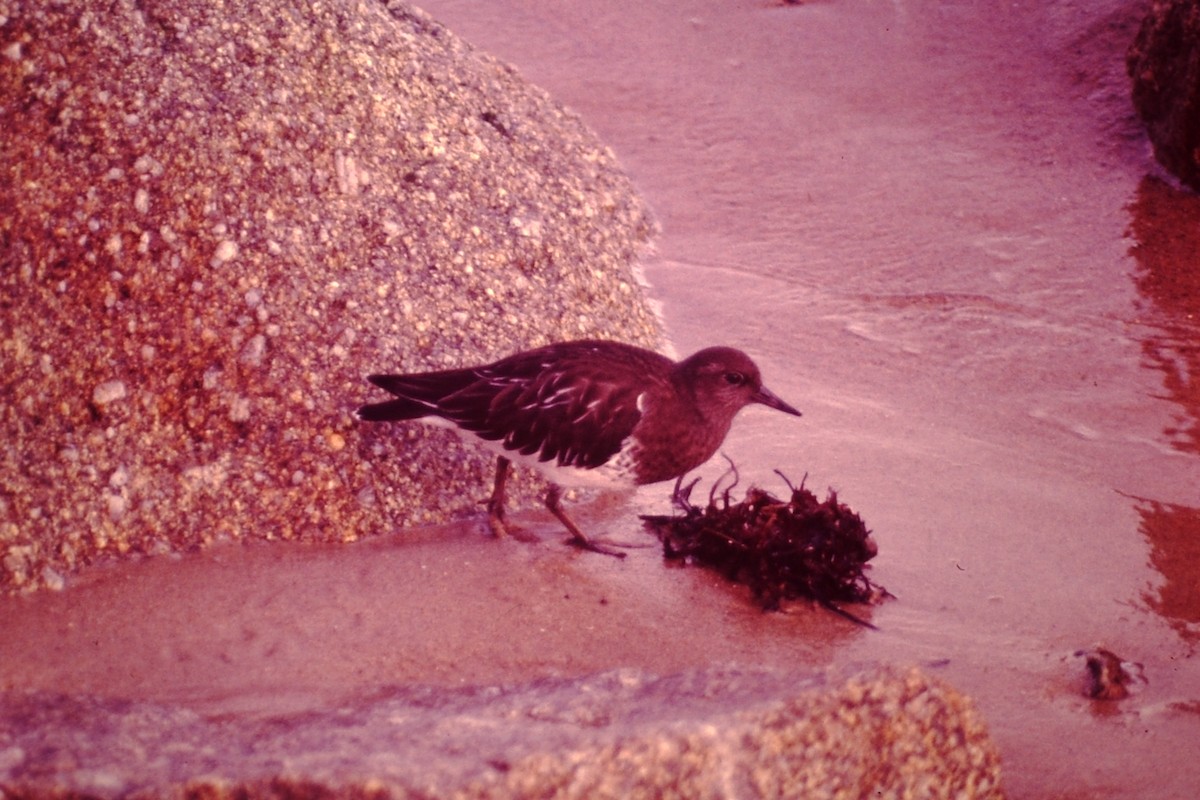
(735, 378)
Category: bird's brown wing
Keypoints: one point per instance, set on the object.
(573, 403)
(572, 412)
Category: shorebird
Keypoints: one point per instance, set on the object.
(584, 413)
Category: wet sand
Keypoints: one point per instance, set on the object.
(931, 226)
(269, 629)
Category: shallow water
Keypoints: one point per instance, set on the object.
(918, 217)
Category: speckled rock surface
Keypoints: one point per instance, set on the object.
(216, 217)
(1164, 63)
(622, 734)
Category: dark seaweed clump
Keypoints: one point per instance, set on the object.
(801, 548)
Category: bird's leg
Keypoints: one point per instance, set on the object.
(495, 503)
(554, 503)
(497, 519)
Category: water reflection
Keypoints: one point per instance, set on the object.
(1165, 227)
(1174, 535)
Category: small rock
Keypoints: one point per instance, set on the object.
(227, 250)
(108, 392)
(1108, 677)
(52, 579)
(118, 478)
(239, 409)
(252, 353)
(117, 506)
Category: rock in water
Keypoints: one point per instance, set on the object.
(620, 734)
(1164, 63)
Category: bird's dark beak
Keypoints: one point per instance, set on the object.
(768, 398)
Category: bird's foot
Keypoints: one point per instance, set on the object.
(501, 528)
(578, 538)
(594, 547)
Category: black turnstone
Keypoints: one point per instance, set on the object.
(585, 413)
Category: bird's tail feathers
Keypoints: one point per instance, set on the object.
(428, 386)
(392, 410)
(417, 395)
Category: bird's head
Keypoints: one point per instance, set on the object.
(724, 380)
